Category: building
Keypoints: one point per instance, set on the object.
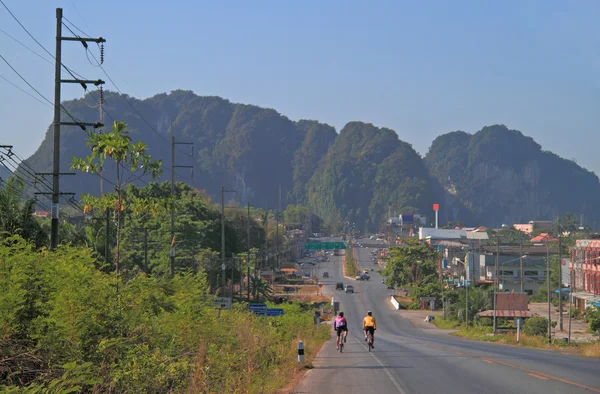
(584, 266)
(528, 228)
(543, 237)
(481, 267)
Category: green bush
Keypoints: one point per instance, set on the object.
(593, 319)
(64, 328)
(575, 313)
(535, 326)
(486, 322)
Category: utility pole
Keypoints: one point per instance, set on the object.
(277, 230)
(223, 191)
(571, 285)
(548, 291)
(521, 265)
(146, 250)
(107, 240)
(173, 166)
(467, 272)
(248, 260)
(146, 242)
(266, 237)
(560, 304)
(496, 284)
(57, 122)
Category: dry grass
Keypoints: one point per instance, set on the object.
(404, 301)
(300, 289)
(590, 349)
(539, 342)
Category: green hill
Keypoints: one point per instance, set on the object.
(498, 176)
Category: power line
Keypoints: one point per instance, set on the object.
(35, 90)
(24, 28)
(26, 47)
(26, 92)
(24, 80)
(99, 64)
(75, 26)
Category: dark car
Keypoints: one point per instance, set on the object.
(339, 286)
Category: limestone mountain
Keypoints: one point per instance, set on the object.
(366, 170)
(244, 147)
(498, 176)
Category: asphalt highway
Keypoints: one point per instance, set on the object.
(407, 359)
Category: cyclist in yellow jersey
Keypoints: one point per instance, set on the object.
(369, 325)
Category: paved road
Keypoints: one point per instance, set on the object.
(410, 360)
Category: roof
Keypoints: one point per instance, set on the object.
(544, 237)
(507, 313)
(292, 270)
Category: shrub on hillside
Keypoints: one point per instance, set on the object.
(536, 326)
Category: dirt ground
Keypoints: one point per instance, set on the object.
(418, 319)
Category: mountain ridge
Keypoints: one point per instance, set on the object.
(357, 174)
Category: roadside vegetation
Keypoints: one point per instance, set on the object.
(86, 318)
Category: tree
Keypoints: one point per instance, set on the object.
(16, 215)
(567, 223)
(260, 288)
(412, 264)
(126, 155)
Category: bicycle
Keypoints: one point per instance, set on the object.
(343, 340)
(370, 340)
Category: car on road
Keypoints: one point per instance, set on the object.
(339, 286)
(349, 289)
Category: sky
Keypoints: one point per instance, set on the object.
(420, 68)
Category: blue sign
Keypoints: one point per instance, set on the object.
(258, 309)
(274, 312)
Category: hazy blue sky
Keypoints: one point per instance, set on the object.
(420, 68)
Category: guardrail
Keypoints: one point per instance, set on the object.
(395, 303)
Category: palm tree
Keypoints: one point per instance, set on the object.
(260, 288)
(16, 213)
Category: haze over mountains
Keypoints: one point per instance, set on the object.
(492, 177)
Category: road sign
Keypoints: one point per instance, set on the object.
(258, 309)
(274, 312)
(324, 245)
(317, 314)
(426, 298)
(222, 302)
